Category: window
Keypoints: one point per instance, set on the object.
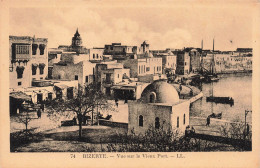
(118, 75)
(185, 63)
(141, 121)
(34, 49)
(97, 55)
(41, 77)
(19, 70)
(177, 122)
(157, 123)
(183, 119)
(139, 69)
(41, 67)
(76, 77)
(147, 69)
(41, 47)
(93, 56)
(19, 83)
(34, 69)
(86, 79)
(152, 97)
(59, 77)
(111, 48)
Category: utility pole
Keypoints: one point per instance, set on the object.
(246, 112)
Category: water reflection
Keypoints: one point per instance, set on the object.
(237, 86)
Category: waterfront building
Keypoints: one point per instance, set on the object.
(183, 63)
(169, 61)
(159, 106)
(195, 59)
(228, 62)
(245, 50)
(144, 66)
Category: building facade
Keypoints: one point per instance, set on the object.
(28, 60)
(83, 72)
(183, 63)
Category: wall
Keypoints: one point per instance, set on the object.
(133, 66)
(97, 52)
(149, 113)
(179, 110)
(68, 72)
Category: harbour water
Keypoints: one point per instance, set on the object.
(237, 86)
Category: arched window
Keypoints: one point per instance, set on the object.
(177, 122)
(152, 97)
(141, 120)
(93, 56)
(184, 119)
(157, 123)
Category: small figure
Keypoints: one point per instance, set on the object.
(192, 130)
(42, 107)
(116, 101)
(39, 113)
(208, 121)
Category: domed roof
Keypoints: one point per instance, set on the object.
(160, 92)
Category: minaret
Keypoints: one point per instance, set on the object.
(76, 40)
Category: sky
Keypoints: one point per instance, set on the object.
(161, 27)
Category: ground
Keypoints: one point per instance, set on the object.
(54, 138)
(65, 139)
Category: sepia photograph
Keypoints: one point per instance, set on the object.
(125, 79)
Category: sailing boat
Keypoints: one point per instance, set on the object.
(222, 100)
(211, 76)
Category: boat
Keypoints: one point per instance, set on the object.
(211, 78)
(218, 116)
(223, 100)
(210, 75)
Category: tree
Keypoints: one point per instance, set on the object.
(84, 101)
(25, 117)
(241, 138)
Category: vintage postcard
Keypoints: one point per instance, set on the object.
(129, 84)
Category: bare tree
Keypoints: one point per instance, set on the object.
(84, 102)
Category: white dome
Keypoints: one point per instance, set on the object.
(160, 92)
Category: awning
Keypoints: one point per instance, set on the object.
(20, 68)
(20, 96)
(116, 87)
(62, 86)
(41, 65)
